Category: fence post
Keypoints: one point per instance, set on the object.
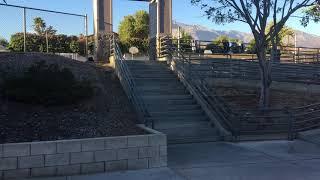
(24, 29)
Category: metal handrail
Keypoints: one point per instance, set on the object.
(233, 120)
(182, 65)
(129, 85)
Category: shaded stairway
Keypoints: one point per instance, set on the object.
(173, 109)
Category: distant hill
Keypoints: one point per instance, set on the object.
(203, 33)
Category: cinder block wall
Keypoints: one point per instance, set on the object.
(83, 156)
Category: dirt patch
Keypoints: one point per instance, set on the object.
(239, 97)
(108, 113)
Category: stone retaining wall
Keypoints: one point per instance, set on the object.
(83, 156)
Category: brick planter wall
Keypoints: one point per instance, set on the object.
(83, 156)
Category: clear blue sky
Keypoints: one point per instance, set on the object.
(183, 11)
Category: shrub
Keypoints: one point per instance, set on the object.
(46, 85)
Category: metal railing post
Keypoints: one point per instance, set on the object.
(24, 29)
(290, 125)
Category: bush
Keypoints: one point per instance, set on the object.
(46, 85)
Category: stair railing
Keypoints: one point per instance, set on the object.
(125, 76)
(181, 65)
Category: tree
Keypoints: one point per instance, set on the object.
(312, 13)
(40, 27)
(185, 41)
(256, 14)
(284, 32)
(134, 31)
(251, 47)
(51, 31)
(4, 42)
(223, 43)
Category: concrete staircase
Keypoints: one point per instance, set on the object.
(173, 109)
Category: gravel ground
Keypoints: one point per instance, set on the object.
(108, 113)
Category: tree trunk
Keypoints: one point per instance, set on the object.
(265, 79)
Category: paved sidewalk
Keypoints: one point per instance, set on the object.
(269, 160)
(151, 174)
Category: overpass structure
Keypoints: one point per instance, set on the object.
(160, 12)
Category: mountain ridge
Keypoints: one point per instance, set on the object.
(203, 33)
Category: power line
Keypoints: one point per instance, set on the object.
(43, 10)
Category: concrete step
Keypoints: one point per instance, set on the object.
(147, 90)
(147, 70)
(180, 119)
(190, 113)
(190, 134)
(144, 62)
(157, 79)
(163, 92)
(193, 139)
(142, 83)
(177, 123)
(149, 67)
(182, 107)
(162, 86)
(167, 97)
(174, 111)
(170, 102)
(153, 75)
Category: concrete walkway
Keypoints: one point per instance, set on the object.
(269, 160)
(247, 161)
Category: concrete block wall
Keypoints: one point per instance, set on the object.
(83, 156)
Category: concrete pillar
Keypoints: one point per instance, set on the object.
(160, 25)
(160, 12)
(165, 17)
(103, 24)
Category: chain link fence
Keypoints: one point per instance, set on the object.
(26, 29)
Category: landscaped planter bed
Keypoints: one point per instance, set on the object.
(107, 113)
(97, 134)
(83, 156)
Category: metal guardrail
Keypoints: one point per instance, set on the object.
(249, 70)
(124, 74)
(233, 50)
(245, 121)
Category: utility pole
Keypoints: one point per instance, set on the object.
(86, 31)
(296, 53)
(47, 41)
(179, 37)
(24, 30)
